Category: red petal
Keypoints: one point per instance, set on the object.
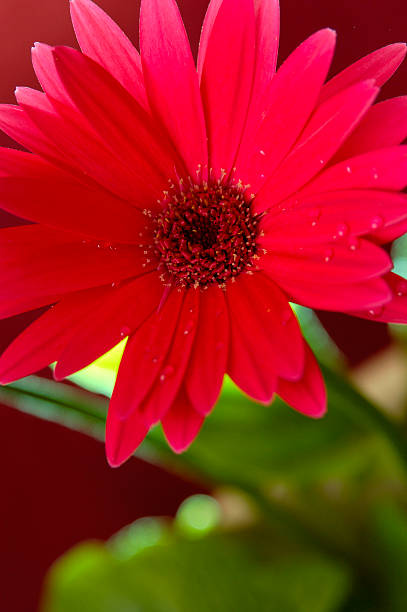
(101, 39)
(266, 340)
(364, 295)
(384, 125)
(226, 83)
(267, 15)
(47, 73)
(181, 423)
(59, 201)
(144, 357)
(299, 78)
(394, 311)
(324, 217)
(42, 342)
(211, 14)
(166, 386)
(123, 436)
(37, 273)
(126, 127)
(330, 263)
(67, 140)
(16, 124)
(25, 239)
(390, 232)
(308, 395)
(207, 366)
(327, 129)
(171, 80)
(379, 65)
(381, 169)
(118, 315)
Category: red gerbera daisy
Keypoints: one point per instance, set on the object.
(185, 207)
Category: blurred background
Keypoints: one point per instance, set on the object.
(281, 513)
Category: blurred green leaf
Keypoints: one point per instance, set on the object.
(253, 445)
(390, 539)
(316, 478)
(57, 402)
(223, 572)
(244, 442)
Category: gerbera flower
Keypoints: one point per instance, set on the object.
(186, 207)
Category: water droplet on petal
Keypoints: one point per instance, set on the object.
(125, 330)
(376, 312)
(189, 327)
(375, 174)
(401, 288)
(353, 243)
(166, 373)
(328, 254)
(342, 230)
(376, 222)
(262, 152)
(321, 161)
(348, 169)
(155, 359)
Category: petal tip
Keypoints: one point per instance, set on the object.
(400, 46)
(58, 373)
(179, 446)
(328, 34)
(320, 412)
(115, 461)
(39, 46)
(116, 454)
(312, 408)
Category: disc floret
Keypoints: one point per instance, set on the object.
(206, 235)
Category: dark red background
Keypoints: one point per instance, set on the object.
(56, 487)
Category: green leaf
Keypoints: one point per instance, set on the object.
(316, 478)
(223, 572)
(57, 402)
(261, 446)
(390, 539)
(244, 442)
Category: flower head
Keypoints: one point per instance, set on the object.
(184, 207)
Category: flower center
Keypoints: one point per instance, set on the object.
(206, 235)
